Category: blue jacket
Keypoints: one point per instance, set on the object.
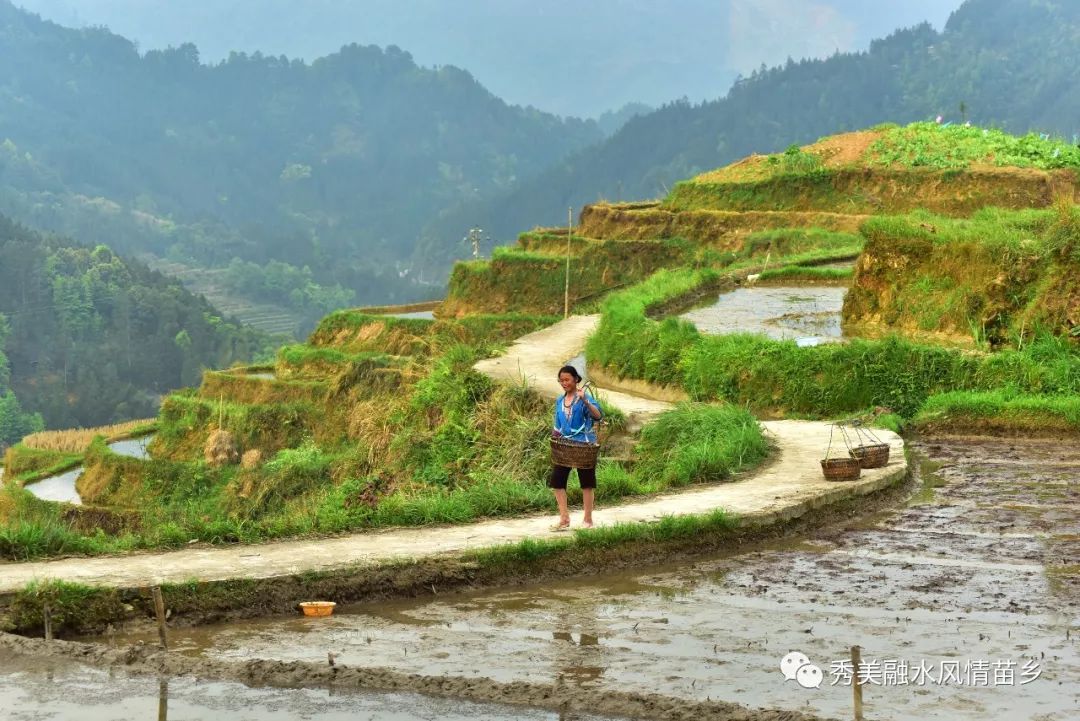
(579, 426)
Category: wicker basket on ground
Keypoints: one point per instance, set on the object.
(841, 469)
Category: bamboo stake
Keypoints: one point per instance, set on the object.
(159, 610)
(566, 288)
(46, 614)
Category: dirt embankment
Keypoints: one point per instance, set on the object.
(563, 698)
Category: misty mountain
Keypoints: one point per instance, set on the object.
(334, 165)
(1011, 63)
(565, 56)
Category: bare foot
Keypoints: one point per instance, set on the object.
(586, 524)
(562, 525)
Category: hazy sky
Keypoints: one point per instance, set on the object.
(573, 57)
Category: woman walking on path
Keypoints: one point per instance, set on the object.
(575, 412)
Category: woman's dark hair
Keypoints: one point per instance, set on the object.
(572, 371)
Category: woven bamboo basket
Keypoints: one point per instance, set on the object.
(873, 455)
(574, 454)
(840, 469)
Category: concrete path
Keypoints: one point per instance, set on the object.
(537, 357)
(786, 488)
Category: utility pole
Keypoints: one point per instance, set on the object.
(474, 237)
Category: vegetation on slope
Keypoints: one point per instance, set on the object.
(996, 279)
(779, 378)
(441, 443)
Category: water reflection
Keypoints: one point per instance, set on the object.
(808, 316)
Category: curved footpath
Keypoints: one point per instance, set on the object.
(784, 489)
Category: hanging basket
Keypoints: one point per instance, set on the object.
(574, 454)
(873, 455)
(839, 468)
(578, 454)
(870, 451)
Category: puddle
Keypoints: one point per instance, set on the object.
(51, 689)
(61, 487)
(945, 583)
(807, 315)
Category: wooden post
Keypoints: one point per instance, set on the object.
(163, 700)
(856, 663)
(46, 615)
(159, 610)
(566, 289)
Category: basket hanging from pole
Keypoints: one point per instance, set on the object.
(574, 454)
(871, 451)
(577, 454)
(838, 468)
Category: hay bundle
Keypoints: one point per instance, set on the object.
(220, 448)
(251, 459)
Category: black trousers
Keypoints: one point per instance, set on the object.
(560, 474)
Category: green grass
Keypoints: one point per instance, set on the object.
(780, 378)
(1000, 411)
(669, 529)
(450, 446)
(929, 145)
(26, 465)
(794, 243)
(697, 443)
(989, 281)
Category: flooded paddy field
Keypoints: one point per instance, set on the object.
(965, 602)
(61, 487)
(49, 689)
(805, 314)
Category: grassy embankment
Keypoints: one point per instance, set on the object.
(780, 379)
(375, 422)
(995, 280)
(519, 280)
(952, 170)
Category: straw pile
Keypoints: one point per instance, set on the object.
(221, 448)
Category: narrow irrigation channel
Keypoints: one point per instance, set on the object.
(965, 602)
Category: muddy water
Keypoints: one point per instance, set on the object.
(48, 689)
(808, 315)
(975, 579)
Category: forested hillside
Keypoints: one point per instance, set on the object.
(14, 422)
(1006, 63)
(93, 338)
(333, 165)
